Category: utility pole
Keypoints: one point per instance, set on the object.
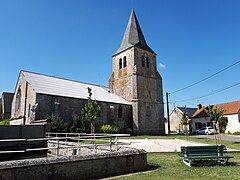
(168, 113)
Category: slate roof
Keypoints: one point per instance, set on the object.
(133, 36)
(190, 111)
(50, 85)
(7, 101)
(229, 108)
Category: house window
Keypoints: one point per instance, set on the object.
(18, 100)
(120, 111)
(124, 61)
(120, 63)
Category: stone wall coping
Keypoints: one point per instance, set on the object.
(65, 159)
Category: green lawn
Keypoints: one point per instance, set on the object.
(170, 166)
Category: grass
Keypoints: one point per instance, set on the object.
(170, 167)
(229, 144)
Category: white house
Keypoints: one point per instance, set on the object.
(231, 112)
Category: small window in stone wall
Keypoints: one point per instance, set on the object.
(100, 114)
(143, 61)
(124, 61)
(147, 62)
(112, 111)
(120, 63)
(148, 111)
(29, 110)
(18, 100)
(120, 111)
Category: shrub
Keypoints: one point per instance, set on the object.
(236, 133)
(115, 128)
(78, 125)
(4, 122)
(57, 124)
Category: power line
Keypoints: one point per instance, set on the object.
(182, 100)
(209, 94)
(204, 79)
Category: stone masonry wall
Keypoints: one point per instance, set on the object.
(75, 167)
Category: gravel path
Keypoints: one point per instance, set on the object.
(159, 145)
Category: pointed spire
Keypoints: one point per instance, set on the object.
(133, 36)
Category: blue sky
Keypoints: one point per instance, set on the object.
(76, 39)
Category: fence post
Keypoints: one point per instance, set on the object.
(58, 147)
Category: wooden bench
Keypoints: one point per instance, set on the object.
(194, 153)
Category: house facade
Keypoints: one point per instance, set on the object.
(231, 112)
(176, 116)
(134, 97)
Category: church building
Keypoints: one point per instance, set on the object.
(134, 97)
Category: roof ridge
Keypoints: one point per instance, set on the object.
(63, 78)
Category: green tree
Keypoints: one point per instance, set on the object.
(184, 121)
(78, 125)
(57, 124)
(216, 116)
(91, 111)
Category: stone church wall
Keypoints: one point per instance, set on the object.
(67, 108)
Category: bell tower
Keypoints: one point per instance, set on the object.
(136, 79)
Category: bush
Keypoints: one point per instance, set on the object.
(78, 125)
(236, 133)
(115, 128)
(57, 124)
(4, 122)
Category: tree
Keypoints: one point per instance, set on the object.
(216, 116)
(77, 125)
(184, 121)
(91, 111)
(57, 124)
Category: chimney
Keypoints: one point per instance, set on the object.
(199, 106)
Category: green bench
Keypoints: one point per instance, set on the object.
(194, 153)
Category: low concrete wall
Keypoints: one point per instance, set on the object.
(21, 132)
(76, 167)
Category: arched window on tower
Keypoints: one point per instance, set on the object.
(147, 62)
(18, 100)
(124, 61)
(120, 111)
(143, 61)
(120, 63)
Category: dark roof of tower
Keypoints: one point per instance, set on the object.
(133, 36)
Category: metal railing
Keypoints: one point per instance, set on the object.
(74, 141)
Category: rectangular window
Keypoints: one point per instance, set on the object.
(29, 110)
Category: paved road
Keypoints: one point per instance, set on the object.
(224, 137)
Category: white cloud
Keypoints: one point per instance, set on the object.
(162, 65)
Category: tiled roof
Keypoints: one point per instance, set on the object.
(229, 108)
(62, 87)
